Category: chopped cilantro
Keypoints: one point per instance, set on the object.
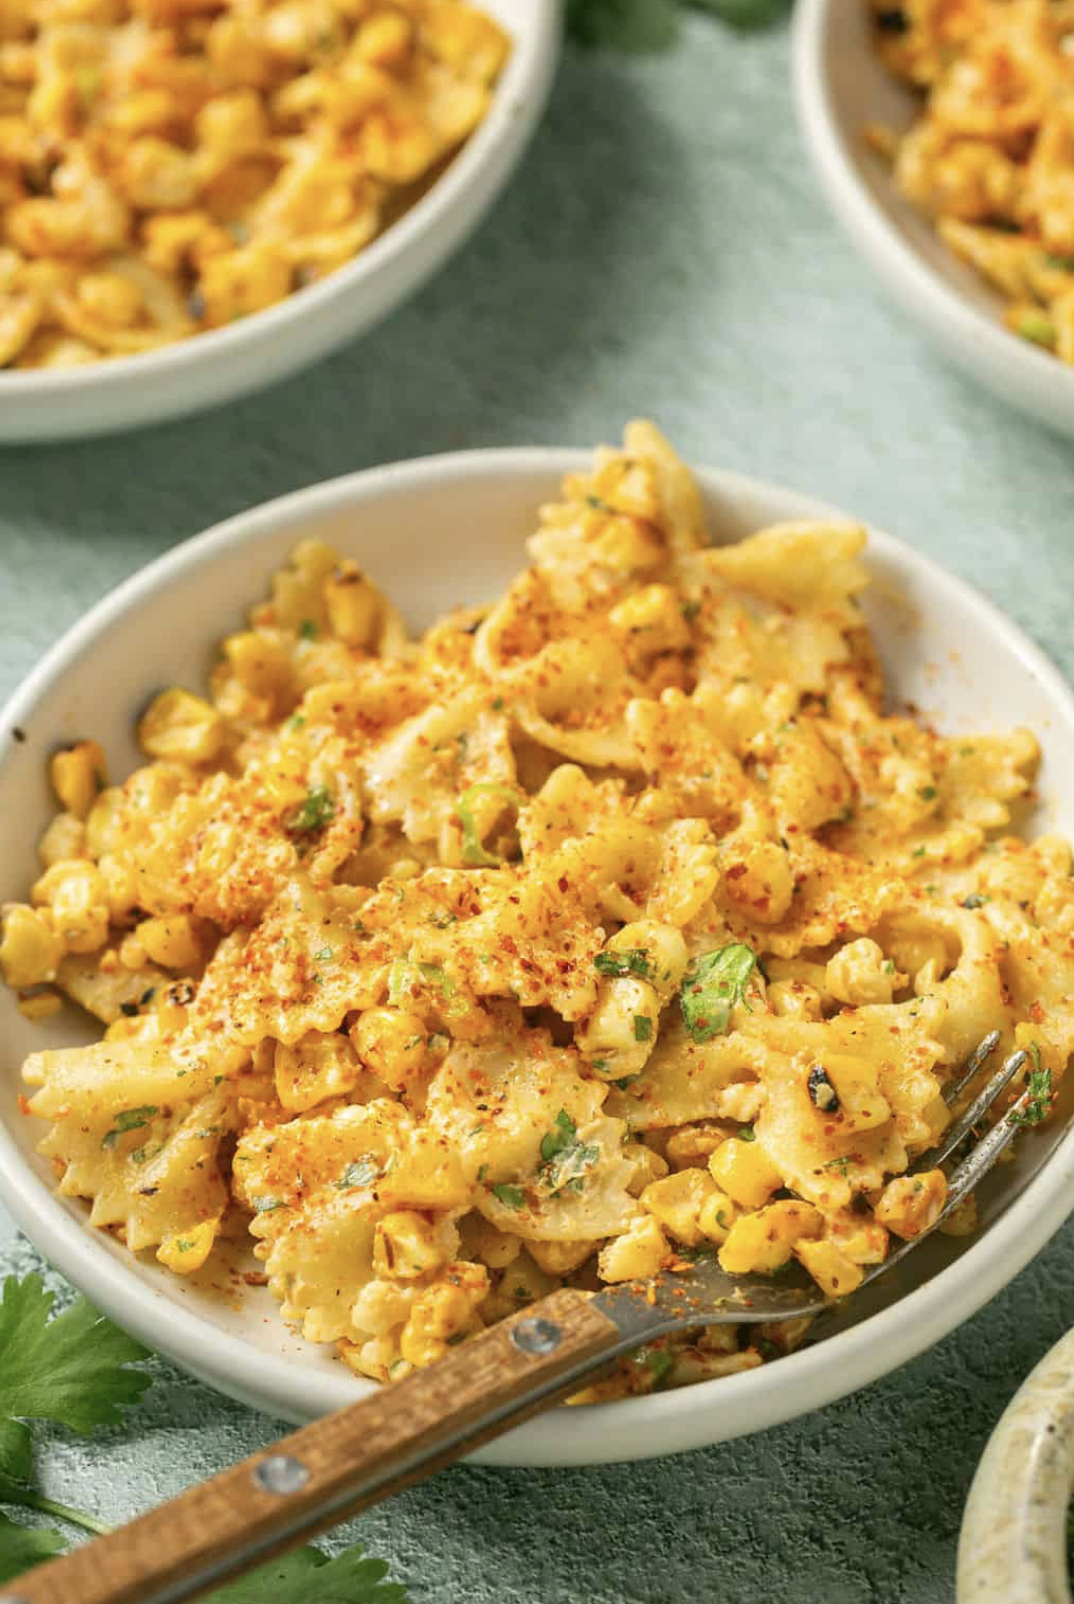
(746, 1133)
(928, 793)
(324, 955)
(562, 1134)
(1038, 1094)
(497, 704)
(308, 629)
(267, 1205)
(660, 1361)
(625, 1081)
(313, 814)
(482, 1172)
(918, 852)
(131, 1119)
(512, 1197)
(565, 1159)
(363, 1172)
(690, 610)
(974, 900)
(643, 1027)
(405, 977)
(714, 983)
(631, 961)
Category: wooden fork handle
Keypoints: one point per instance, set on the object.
(337, 1466)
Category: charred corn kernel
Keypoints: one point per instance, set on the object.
(691, 1145)
(65, 838)
(834, 1273)
(188, 1250)
(392, 1043)
(381, 1306)
(910, 1204)
(861, 1105)
(31, 948)
(405, 1246)
(181, 727)
(745, 1172)
(170, 941)
(262, 665)
(716, 1216)
(637, 1254)
(763, 1241)
(652, 616)
(560, 1258)
(39, 1005)
(676, 1202)
(355, 608)
(649, 1166)
(78, 773)
(76, 895)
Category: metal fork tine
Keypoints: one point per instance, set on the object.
(983, 1050)
(960, 1128)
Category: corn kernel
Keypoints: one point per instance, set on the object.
(78, 773)
(561, 1258)
(717, 1216)
(181, 727)
(834, 1273)
(188, 1250)
(75, 893)
(676, 1202)
(391, 1042)
(262, 665)
(637, 1254)
(65, 838)
(745, 1172)
(354, 606)
(380, 1307)
(39, 1005)
(764, 1241)
(910, 1204)
(102, 821)
(170, 941)
(405, 1246)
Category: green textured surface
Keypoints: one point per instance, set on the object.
(664, 251)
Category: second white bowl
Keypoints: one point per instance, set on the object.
(841, 86)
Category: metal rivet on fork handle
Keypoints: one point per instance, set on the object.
(280, 1473)
(536, 1336)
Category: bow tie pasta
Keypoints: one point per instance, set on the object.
(609, 924)
(167, 167)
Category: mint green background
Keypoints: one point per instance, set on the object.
(664, 251)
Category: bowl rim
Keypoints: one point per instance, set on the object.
(630, 1428)
(967, 333)
(527, 73)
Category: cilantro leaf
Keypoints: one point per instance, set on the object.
(363, 1172)
(307, 1576)
(23, 1547)
(130, 1119)
(562, 1134)
(404, 978)
(714, 983)
(512, 1197)
(631, 961)
(643, 1027)
(16, 1461)
(313, 813)
(566, 1159)
(1038, 1093)
(71, 1370)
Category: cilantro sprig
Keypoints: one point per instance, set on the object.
(74, 1369)
(713, 985)
(565, 1160)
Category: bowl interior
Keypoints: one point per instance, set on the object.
(451, 530)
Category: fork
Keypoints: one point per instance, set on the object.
(350, 1460)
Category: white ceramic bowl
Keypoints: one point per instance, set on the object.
(257, 350)
(1014, 1543)
(433, 533)
(841, 85)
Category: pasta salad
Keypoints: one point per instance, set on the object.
(608, 923)
(990, 158)
(168, 166)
